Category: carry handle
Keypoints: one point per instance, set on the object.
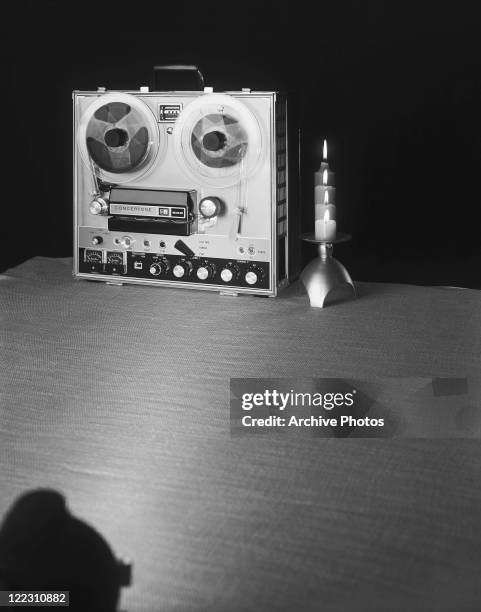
(175, 77)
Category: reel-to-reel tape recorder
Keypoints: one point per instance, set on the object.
(184, 189)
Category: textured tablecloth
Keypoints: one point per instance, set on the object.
(119, 398)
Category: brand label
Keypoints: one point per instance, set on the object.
(142, 210)
(136, 210)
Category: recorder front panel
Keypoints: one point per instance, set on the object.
(170, 268)
(208, 170)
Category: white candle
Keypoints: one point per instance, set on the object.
(321, 211)
(325, 228)
(324, 180)
(320, 192)
(324, 198)
(325, 206)
(324, 176)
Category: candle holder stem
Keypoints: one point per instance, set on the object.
(325, 250)
(325, 279)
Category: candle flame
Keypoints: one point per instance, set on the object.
(327, 216)
(324, 150)
(326, 197)
(324, 177)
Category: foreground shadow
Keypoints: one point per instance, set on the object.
(44, 548)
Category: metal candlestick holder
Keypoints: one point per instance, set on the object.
(326, 280)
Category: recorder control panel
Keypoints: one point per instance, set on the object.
(160, 267)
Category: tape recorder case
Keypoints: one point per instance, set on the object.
(185, 189)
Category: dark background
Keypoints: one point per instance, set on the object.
(394, 86)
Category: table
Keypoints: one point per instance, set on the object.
(119, 398)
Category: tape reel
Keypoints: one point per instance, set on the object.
(119, 134)
(218, 140)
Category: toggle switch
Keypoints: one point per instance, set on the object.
(184, 249)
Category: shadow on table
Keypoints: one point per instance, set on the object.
(44, 548)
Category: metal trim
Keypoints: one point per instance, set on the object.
(124, 280)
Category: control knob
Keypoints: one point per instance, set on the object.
(229, 273)
(183, 268)
(159, 267)
(253, 275)
(210, 207)
(98, 206)
(205, 271)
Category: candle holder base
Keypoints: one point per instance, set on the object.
(325, 279)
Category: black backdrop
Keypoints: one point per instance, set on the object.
(395, 87)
